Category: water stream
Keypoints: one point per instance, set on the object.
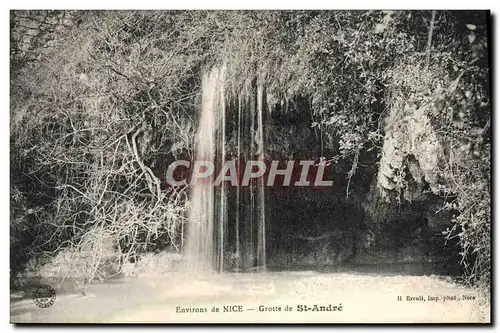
(227, 223)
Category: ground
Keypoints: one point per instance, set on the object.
(364, 297)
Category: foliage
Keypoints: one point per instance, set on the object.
(437, 140)
(98, 115)
(93, 128)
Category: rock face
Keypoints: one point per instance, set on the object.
(410, 155)
(32, 29)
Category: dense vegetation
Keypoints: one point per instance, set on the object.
(101, 102)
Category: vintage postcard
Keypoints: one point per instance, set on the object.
(267, 166)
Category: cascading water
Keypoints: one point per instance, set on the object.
(200, 247)
(227, 224)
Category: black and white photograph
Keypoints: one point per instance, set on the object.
(250, 166)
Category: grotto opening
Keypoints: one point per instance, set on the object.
(250, 226)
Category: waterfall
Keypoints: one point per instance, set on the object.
(200, 236)
(227, 224)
